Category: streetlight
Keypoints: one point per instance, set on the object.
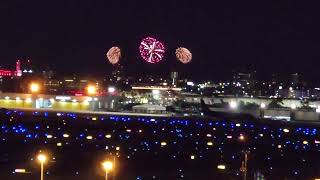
(111, 89)
(42, 159)
(293, 112)
(107, 166)
(262, 107)
(242, 138)
(318, 112)
(233, 105)
(221, 167)
(34, 87)
(91, 90)
(244, 164)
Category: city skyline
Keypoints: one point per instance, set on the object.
(267, 37)
(161, 90)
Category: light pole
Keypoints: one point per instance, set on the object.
(34, 88)
(107, 166)
(233, 105)
(262, 108)
(92, 92)
(42, 159)
(318, 112)
(293, 112)
(244, 164)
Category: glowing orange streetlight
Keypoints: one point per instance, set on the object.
(91, 90)
(34, 87)
(42, 159)
(242, 137)
(107, 166)
(244, 165)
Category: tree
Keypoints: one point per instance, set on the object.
(276, 103)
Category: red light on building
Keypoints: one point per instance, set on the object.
(9, 73)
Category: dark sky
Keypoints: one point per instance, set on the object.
(74, 35)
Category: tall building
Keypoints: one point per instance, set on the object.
(12, 73)
(27, 67)
(294, 79)
(174, 78)
(117, 73)
(243, 77)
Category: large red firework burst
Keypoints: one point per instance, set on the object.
(151, 50)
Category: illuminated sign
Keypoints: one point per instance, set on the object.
(63, 98)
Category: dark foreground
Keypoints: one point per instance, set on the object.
(155, 148)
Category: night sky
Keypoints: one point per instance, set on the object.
(73, 36)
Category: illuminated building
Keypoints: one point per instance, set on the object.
(294, 79)
(243, 78)
(174, 77)
(52, 86)
(117, 74)
(77, 85)
(8, 78)
(12, 73)
(27, 67)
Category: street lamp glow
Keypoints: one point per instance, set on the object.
(28, 100)
(262, 105)
(34, 87)
(42, 158)
(49, 136)
(221, 167)
(233, 105)
(86, 102)
(111, 89)
(155, 92)
(89, 137)
(91, 90)
(210, 143)
(192, 157)
(20, 171)
(108, 136)
(286, 130)
(241, 137)
(107, 166)
(293, 106)
(163, 143)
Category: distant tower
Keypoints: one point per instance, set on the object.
(18, 69)
(117, 73)
(294, 79)
(174, 77)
